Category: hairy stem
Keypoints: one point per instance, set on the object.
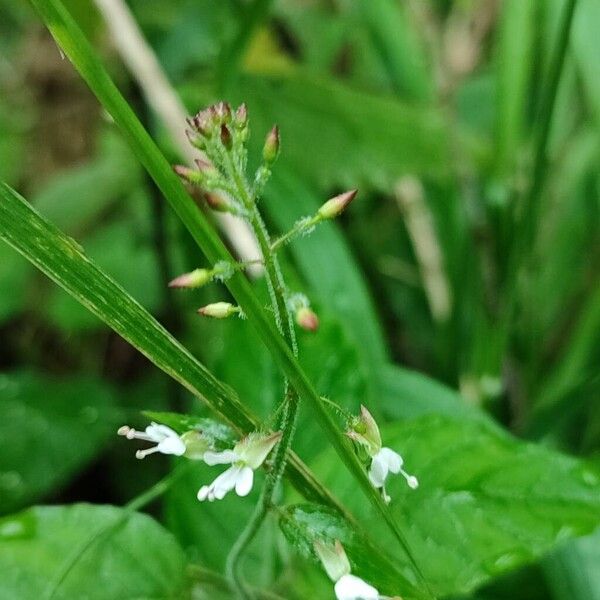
(287, 420)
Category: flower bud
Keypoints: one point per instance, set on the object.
(364, 430)
(189, 175)
(336, 205)
(218, 202)
(206, 167)
(222, 112)
(333, 557)
(194, 279)
(240, 119)
(307, 319)
(203, 122)
(219, 310)
(271, 147)
(226, 138)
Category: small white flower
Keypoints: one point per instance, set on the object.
(350, 587)
(247, 455)
(387, 461)
(167, 441)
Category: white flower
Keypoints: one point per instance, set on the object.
(350, 587)
(247, 455)
(167, 441)
(387, 461)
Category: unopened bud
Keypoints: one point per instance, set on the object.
(206, 167)
(333, 558)
(222, 111)
(190, 175)
(218, 202)
(203, 122)
(271, 147)
(240, 119)
(194, 279)
(365, 431)
(226, 138)
(336, 205)
(307, 319)
(219, 310)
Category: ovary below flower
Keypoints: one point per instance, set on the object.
(167, 441)
(247, 455)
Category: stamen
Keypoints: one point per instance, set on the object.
(143, 453)
(411, 480)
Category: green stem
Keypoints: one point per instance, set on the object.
(297, 229)
(287, 421)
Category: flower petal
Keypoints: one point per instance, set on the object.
(350, 587)
(243, 485)
(393, 459)
(220, 458)
(172, 445)
(378, 471)
(225, 482)
(160, 432)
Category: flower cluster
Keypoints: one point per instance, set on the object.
(365, 432)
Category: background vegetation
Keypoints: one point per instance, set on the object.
(459, 297)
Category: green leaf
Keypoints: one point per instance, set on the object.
(486, 502)
(41, 421)
(572, 572)
(304, 524)
(86, 551)
(335, 135)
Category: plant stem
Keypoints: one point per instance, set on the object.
(287, 421)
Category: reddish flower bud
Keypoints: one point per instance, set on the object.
(190, 175)
(206, 167)
(217, 202)
(334, 207)
(226, 138)
(194, 279)
(240, 119)
(222, 112)
(307, 319)
(271, 147)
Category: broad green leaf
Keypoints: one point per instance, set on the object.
(64, 261)
(42, 421)
(88, 551)
(305, 524)
(486, 502)
(74, 199)
(336, 135)
(572, 571)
